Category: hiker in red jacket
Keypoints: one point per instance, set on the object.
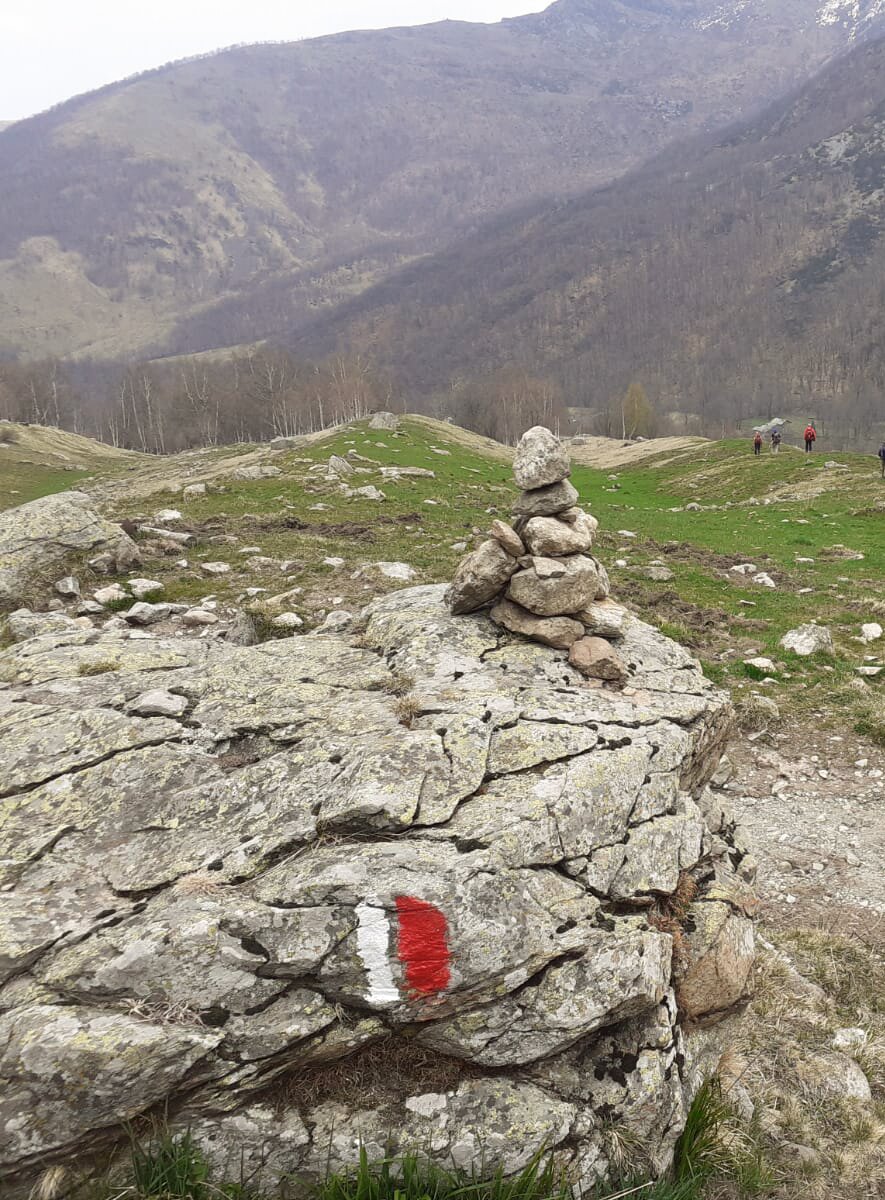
(757, 444)
(810, 437)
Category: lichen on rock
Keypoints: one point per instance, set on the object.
(203, 907)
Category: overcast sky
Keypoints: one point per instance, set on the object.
(53, 49)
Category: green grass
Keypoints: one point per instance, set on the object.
(709, 1153)
(401, 528)
(699, 547)
(21, 482)
(721, 617)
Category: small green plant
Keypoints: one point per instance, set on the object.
(125, 602)
(871, 722)
(413, 1177)
(716, 1146)
(715, 672)
(169, 1168)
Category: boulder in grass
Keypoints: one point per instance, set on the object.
(809, 639)
(37, 538)
(142, 588)
(112, 594)
(289, 844)
(384, 420)
(146, 614)
(68, 587)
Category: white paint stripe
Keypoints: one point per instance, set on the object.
(373, 945)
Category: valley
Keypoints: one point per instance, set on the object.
(254, 190)
(441, 758)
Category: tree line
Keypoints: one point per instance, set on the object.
(160, 407)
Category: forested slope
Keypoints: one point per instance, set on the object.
(207, 202)
(735, 275)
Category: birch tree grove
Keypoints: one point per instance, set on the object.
(160, 407)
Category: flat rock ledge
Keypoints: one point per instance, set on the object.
(436, 851)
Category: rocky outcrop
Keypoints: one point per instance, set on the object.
(437, 850)
(37, 538)
(384, 420)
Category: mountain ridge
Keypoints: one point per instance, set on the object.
(328, 163)
(737, 272)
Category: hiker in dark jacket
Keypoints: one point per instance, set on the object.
(882, 458)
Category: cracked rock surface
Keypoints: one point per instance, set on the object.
(435, 843)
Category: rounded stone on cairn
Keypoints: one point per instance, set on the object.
(550, 535)
(554, 587)
(598, 659)
(508, 537)
(559, 632)
(479, 578)
(547, 501)
(540, 459)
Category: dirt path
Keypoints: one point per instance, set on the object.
(813, 805)
(612, 453)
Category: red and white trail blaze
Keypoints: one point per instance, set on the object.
(421, 948)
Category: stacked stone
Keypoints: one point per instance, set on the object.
(538, 574)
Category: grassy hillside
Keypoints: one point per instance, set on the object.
(36, 461)
(771, 512)
(277, 533)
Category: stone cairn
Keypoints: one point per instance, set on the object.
(538, 574)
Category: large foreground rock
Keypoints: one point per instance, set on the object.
(205, 911)
(38, 538)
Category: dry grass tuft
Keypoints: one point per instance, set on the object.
(161, 1012)
(200, 883)
(407, 709)
(96, 668)
(398, 685)
(821, 1141)
(669, 916)
(383, 1072)
(52, 1184)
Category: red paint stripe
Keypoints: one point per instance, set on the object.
(423, 946)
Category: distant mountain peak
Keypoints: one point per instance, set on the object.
(855, 16)
(852, 14)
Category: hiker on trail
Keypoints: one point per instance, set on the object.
(882, 458)
(757, 443)
(775, 441)
(810, 437)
